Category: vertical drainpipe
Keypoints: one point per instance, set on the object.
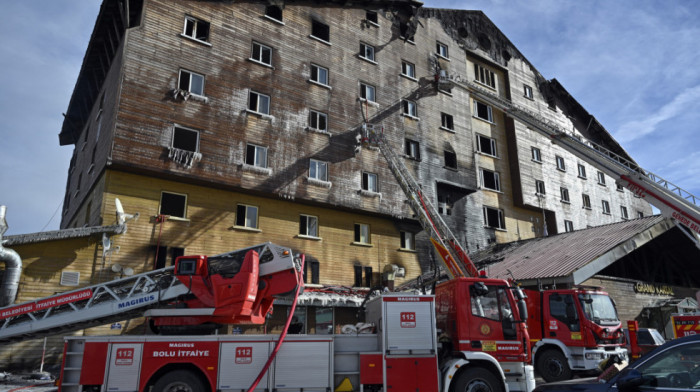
(13, 267)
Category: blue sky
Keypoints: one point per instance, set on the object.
(633, 64)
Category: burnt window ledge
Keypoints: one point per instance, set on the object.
(271, 19)
(199, 41)
(323, 41)
(256, 169)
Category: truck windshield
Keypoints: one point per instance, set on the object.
(598, 308)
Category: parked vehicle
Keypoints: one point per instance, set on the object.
(672, 367)
(572, 331)
(685, 324)
(641, 341)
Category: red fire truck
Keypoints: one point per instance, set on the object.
(685, 324)
(483, 341)
(572, 330)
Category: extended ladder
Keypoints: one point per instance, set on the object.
(672, 200)
(440, 235)
(90, 306)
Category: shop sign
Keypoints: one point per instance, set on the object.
(649, 288)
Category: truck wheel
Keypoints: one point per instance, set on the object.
(179, 381)
(553, 366)
(477, 379)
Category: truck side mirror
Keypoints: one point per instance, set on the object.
(522, 309)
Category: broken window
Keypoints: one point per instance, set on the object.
(319, 74)
(564, 195)
(406, 33)
(366, 51)
(581, 171)
(586, 201)
(623, 213)
(493, 218)
(410, 108)
(486, 145)
(640, 215)
(484, 76)
(408, 69)
(539, 187)
(320, 30)
(450, 159)
(408, 240)
(447, 121)
(261, 53)
(192, 82)
(196, 29)
(536, 155)
(367, 92)
(561, 165)
(314, 265)
(568, 226)
(362, 234)
(259, 103)
(173, 204)
(369, 182)
(308, 225)
(441, 50)
(185, 139)
(412, 149)
(318, 170)
(247, 216)
(490, 180)
(318, 121)
(444, 203)
(528, 92)
(256, 155)
(619, 188)
(606, 207)
(359, 281)
(601, 178)
(483, 111)
(274, 12)
(372, 17)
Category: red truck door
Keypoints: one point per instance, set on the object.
(561, 319)
(493, 325)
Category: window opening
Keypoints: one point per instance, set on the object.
(601, 178)
(408, 69)
(319, 74)
(483, 111)
(318, 170)
(606, 207)
(320, 31)
(581, 171)
(586, 201)
(274, 12)
(196, 29)
(369, 182)
(259, 103)
(493, 217)
(447, 121)
(362, 234)
(186, 139)
(372, 16)
(408, 240)
(568, 226)
(484, 76)
(528, 92)
(247, 216)
(410, 109)
(261, 53)
(173, 204)
(192, 82)
(366, 51)
(564, 195)
(412, 149)
(450, 159)
(444, 204)
(318, 121)
(256, 155)
(441, 50)
(561, 165)
(308, 225)
(536, 155)
(490, 180)
(486, 145)
(367, 92)
(539, 187)
(623, 213)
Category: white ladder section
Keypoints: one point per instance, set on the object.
(672, 200)
(426, 213)
(90, 306)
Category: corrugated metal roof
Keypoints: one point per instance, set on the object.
(570, 257)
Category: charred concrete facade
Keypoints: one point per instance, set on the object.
(226, 124)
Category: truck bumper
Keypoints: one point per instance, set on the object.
(519, 376)
(589, 359)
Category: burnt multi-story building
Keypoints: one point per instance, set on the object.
(225, 124)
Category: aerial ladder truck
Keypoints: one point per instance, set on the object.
(590, 340)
